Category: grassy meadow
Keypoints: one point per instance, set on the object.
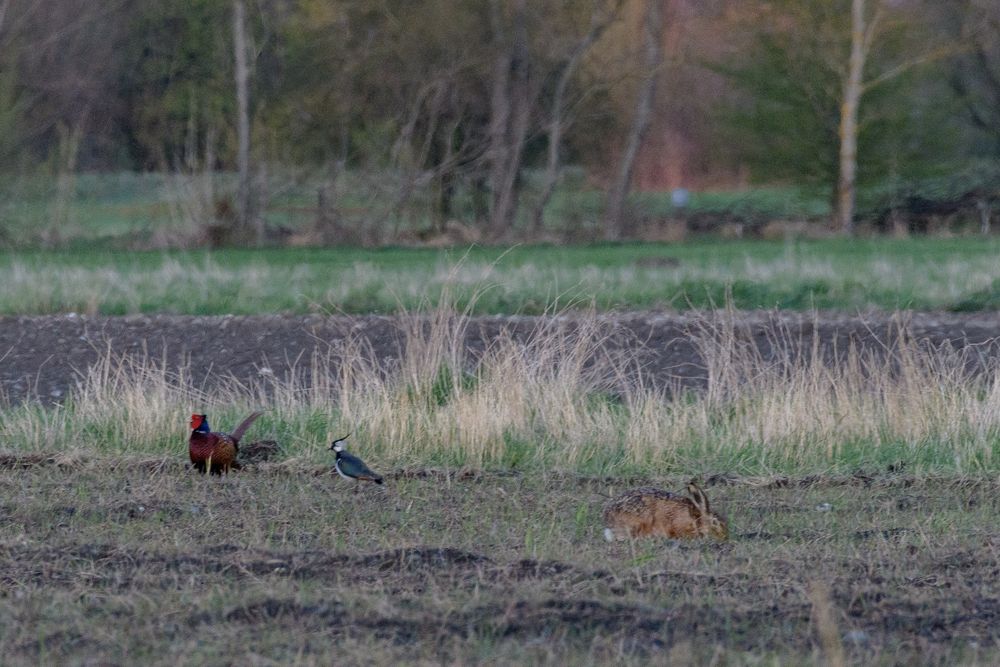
(106, 218)
(921, 273)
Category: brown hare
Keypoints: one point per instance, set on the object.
(649, 511)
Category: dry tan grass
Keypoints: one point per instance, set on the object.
(559, 398)
(908, 395)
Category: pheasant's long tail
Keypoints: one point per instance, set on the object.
(244, 425)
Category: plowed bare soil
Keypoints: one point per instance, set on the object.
(41, 357)
(146, 564)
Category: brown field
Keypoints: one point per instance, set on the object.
(143, 562)
(112, 552)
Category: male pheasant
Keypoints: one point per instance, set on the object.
(215, 452)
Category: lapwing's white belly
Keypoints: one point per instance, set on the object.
(341, 472)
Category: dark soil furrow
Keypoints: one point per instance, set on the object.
(43, 355)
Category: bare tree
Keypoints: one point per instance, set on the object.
(600, 18)
(861, 36)
(653, 52)
(514, 94)
(410, 152)
(59, 75)
(68, 153)
(865, 31)
(247, 222)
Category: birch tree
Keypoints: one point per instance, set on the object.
(602, 15)
(514, 95)
(866, 30)
(828, 102)
(861, 33)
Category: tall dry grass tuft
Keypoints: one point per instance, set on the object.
(826, 624)
(527, 396)
(550, 392)
(128, 404)
(808, 401)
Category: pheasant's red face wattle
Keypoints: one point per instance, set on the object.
(196, 421)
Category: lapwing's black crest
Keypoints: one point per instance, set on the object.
(350, 466)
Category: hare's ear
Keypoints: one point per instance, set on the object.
(698, 496)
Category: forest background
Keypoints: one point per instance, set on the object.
(187, 123)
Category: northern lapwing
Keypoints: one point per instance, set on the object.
(351, 467)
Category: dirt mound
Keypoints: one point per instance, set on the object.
(417, 558)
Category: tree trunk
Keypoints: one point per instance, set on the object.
(248, 228)
(556, 119)
(849, 121)
(507, 199)
(446, 174)
(511, 104)
(615, 209)
(69, 151)
(499, 110)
